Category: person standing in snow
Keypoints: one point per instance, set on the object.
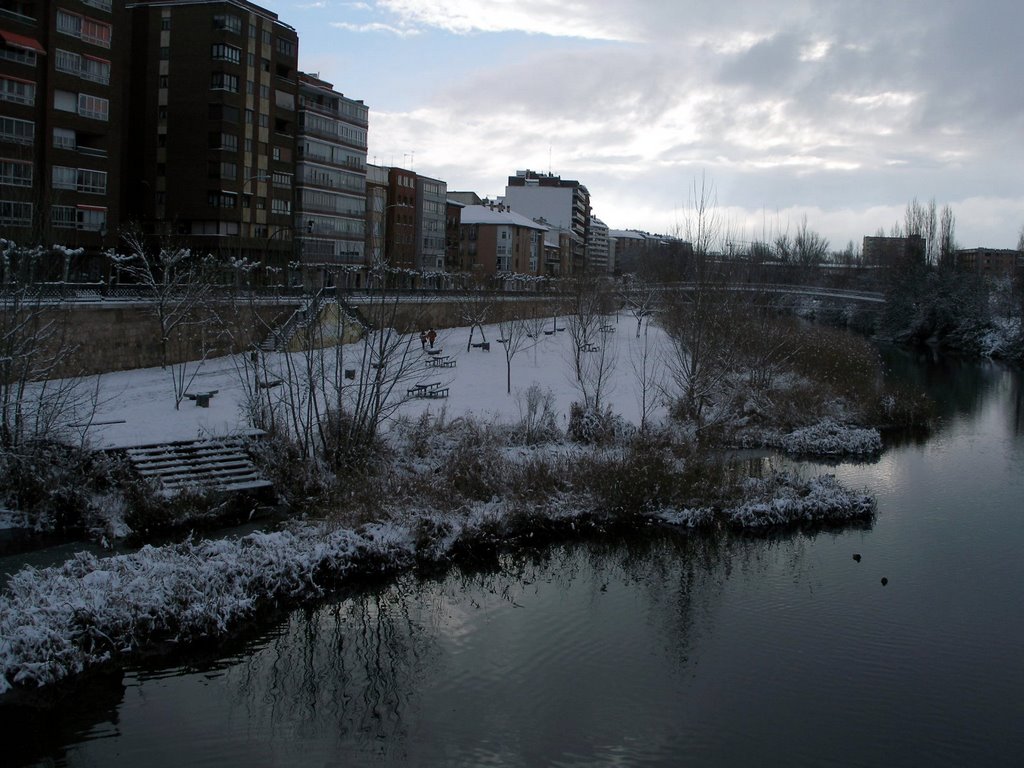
(423, 339)
(431, 335)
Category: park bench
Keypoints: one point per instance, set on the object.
(445, 361)
(202, 399)
(432, 390)
(483, 345)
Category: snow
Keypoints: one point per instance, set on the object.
(143, 400)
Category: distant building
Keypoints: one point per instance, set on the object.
(990, 261)
(893, 251)
(563, 203)
(597, 246)
(495, 240)
(453, 232)
(431, 211)
(466, 198)
(330, 175)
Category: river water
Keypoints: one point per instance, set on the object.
(661, 650)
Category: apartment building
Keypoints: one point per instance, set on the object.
(990, 262)
(60, 131)
(597, 246)
(213, 96)
(562, 203)
(495, 240)
(431, 210)
(331, 184)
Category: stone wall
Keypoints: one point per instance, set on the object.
(116, 337)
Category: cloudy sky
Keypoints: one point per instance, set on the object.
(838, 110)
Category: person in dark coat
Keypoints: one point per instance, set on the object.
(431, 335)
(423, 339)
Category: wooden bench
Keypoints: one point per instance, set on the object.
(432, 390)
(442, 362)
(483, 345)
(202, 399)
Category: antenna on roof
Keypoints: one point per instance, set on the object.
(549, 159)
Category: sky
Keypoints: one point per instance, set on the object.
(840, 111)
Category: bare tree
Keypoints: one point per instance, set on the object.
(176, 287)
(639, 298)
(585, 300)
(947, 239)
(647, 362)
(39, 395)
(475, 308)
(515, 337)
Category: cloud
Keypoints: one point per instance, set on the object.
(591, 20)
(375, 27)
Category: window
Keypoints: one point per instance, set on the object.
(250, 88)
(280, 206)
(266, 37)
(228, 23)
(286, 47)
(97, 70)
(249, 114)
(65, 178)
(264, 91)
(91, 218)
(224, 52)
(64, 138)
(265, 65)
(18, 91)
(69, 62)
(282, 180)
(252, 31)
(13, 214)
(222, 199)
(276, 153)
(65, 101)
(223, 170)
(225, 141)
(223, 112)
(264, 121)
(164, 81)
(248, 145)
(93, 107)
(17, 55)
(103, 5)
(165, 23)
(165, 53)
(15, 173)
(250, 59)
(69, 23)
(161, 113)
(93, 182)
(63, 217)
(96, 32)
(222, 81)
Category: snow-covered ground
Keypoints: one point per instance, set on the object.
(137, 407)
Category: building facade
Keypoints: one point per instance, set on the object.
(60, 131)
(330, 174)
(562, 203)
(994, 262)
(214, 103)
(597, 246)
(496, 241)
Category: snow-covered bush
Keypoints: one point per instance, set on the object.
(591, 426)
(829, 438)
(784, 499)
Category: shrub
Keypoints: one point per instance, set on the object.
(593, 427)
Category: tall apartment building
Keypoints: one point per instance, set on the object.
(893, 251)
(212, 148)
(562, 203)
(60, 130)
(597, 246)
(431, 210)
(331, 191)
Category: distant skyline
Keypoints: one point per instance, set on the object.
(840, 111)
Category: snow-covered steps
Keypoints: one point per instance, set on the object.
(220, 464)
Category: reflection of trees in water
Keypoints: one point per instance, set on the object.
(957, 385)
(345, 671)
(1017, 399)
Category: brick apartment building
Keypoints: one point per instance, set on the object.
(495, 240)
(213, 97)
(60, 130)
(990, 262)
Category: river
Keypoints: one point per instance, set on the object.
(665, 649)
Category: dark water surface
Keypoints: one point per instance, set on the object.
(664, 650)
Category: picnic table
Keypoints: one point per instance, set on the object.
(202, 399)
(431, 390)
(482, 345)
(442, 361)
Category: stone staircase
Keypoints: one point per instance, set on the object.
(219, 465)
